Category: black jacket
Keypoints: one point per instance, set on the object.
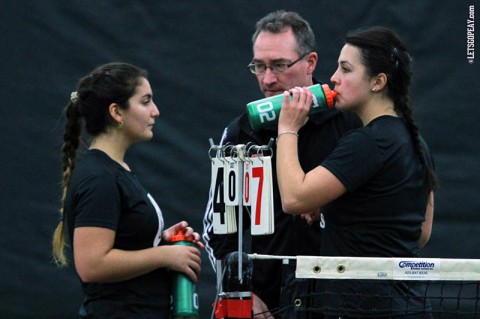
(292, 236)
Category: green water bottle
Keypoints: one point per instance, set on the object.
(184, 292)
(264, 112)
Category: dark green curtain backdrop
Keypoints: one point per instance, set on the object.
(196, 53)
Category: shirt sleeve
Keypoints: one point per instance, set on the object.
(97, 202)
(355, 159)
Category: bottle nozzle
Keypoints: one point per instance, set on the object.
(180, 236)
(330, 94)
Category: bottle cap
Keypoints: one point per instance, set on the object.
(180, 236)
(330, 94)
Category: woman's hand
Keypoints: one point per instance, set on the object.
(184, 259)
(188, 231)
(295, 108)
(260, 309)
(311, 216)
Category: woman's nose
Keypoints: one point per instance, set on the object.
(333, 78)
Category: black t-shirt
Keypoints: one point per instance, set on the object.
(381, 213)
(104, 194)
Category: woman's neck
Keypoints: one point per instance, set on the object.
(376, 109)
(112, 147)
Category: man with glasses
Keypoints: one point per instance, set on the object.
(283, 57)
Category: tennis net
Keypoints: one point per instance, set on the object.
(364, 287)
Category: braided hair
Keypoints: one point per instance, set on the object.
(88, 108)
(382, 51)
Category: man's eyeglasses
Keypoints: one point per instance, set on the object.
(261, 68)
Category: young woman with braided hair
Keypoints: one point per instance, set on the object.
(375, 189)
(116, 229)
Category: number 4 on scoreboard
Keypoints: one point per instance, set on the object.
(224, 221)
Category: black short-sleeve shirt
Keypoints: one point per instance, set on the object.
(379, 216)
(104, 194)
(382, 211)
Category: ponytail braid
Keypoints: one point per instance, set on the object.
(71, 139)
(399, 84)
(402, 106)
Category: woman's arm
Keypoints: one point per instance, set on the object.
(97, 261)
(428, 223)
(300, 192)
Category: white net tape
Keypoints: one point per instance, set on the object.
(388, 268)
(364, 287)
(382, 268)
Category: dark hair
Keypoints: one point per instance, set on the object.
(107, 84)
(382, 51)
(278, 21)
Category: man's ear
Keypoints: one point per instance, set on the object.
(312, 62)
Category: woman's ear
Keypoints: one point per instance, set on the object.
(379, 82)
(115, 113)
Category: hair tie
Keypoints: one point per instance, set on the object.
(74, 97)
(395, 58)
